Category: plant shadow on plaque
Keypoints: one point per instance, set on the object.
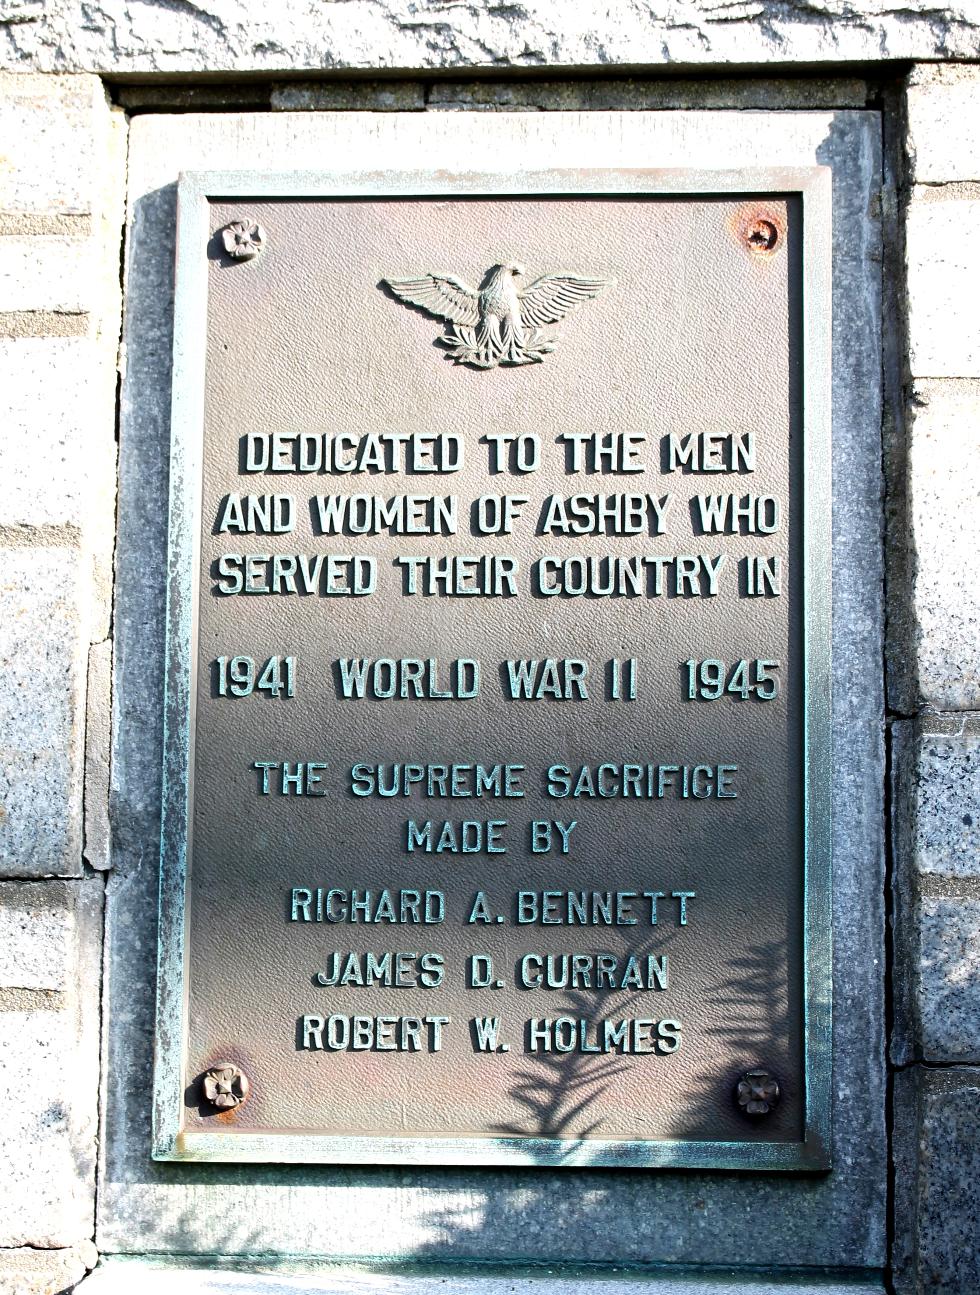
(561, 1095)
(568, 1096)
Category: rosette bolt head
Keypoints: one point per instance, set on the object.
(225, 1086)
(762, 236)
(243, 239)
(757, 1093)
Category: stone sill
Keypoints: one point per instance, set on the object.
(180, 1276)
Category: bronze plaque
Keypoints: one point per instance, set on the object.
(496, 816)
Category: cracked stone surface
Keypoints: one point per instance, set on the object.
(223, 35)
(26, 1271)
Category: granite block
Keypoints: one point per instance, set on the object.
(52, 129)
(936, 606)
(46, 273)
(942, 106)
(57, 455)
(946, 792)
(936, 915)
(949, 978)
(49, 1061)
(941, 237)
(61, 188)
(37, 927)
(937, 1168)
(42, 709)
(45, 1272)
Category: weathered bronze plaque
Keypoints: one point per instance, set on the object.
(496, 822)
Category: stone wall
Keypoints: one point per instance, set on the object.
(178, 37)
(935, 688)
(61, 189)
(62, 175)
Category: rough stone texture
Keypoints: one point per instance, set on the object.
(933, 657)
(949, 977)
(211, 35)
(44, 274)
(49, 1061)
(937, 898)
(53, 397)
(42, 639)
(937, 1168)
(566, 96)
(62, 174)
(638, 94)
(943, 124)
(942, 235)
(633, 1217)
(946, 801)
(54, 137)
(517, 94)
(61, 178)
(98, 739)
(368, 96)
(65, 224)
(57, 519)
(165, 96)
(37, 923)
(42, 323)
(45, 1272)
(121, 1277)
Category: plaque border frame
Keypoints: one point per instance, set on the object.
(195, 190)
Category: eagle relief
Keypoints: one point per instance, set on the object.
(499, 323)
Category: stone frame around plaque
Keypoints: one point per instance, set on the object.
(170, 1142)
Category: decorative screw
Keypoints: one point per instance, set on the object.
(762, 236)
(243, 239)
(225, 1086)
(757, 1093)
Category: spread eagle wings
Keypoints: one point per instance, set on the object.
(442, 295)
(550, 298)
